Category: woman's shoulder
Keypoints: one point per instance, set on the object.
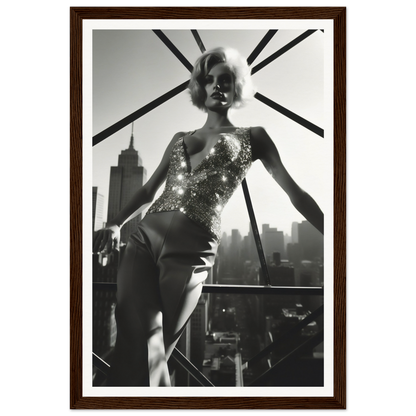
(260, 142)
(177, 137)
(180, 134)
(257, 132)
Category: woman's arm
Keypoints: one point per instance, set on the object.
(144, 196)
(264, 149)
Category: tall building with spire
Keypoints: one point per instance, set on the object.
(125, 179)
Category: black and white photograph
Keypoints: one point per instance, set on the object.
(212, 183)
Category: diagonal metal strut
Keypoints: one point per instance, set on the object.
(173, 49)
(198, 40)
(309, 344)
(282, 50)
(137, 114)
(257, 50)
(290, 114)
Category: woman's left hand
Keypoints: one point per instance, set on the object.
(106, 239)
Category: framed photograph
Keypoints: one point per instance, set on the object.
(260, 316)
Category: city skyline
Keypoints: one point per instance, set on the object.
(121, 86)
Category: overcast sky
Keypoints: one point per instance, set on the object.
(133, 67)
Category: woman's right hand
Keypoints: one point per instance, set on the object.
(106, 239)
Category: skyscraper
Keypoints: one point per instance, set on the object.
(199, 328)
(273, 241)
(311, 240)
(125, 179)
(97, 209)
(295, 232)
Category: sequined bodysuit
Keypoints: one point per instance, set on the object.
(202, 192)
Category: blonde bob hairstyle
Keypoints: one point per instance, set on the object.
(244, 88)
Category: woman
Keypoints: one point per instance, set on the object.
(168, 258)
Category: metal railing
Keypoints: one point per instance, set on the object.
(241, 289)
(308, 345)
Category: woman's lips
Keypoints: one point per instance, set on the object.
(217, 95)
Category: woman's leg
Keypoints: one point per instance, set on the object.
(139, 352)
(187, 256)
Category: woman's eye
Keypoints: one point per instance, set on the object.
(226, 81)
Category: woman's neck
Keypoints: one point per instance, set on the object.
(216, 120)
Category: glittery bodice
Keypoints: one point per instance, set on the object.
(202, 192)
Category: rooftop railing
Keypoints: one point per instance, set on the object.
(276, 346)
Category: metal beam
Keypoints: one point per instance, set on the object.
(173, 49)
(257, 50)
(290, 114)
(137, 114)
(281, 51)
(105, 286)
(192, 370)
(309, 344)
(275, 344)
(176, 354)
(100, 363)
(198, 40)
(256, 234)
(239, 379)
(241, 289)
(263, 290)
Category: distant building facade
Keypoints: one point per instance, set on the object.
(125, 180)
(97, 209)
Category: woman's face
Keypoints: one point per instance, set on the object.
(219, 87)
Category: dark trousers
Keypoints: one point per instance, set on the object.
(158, 286)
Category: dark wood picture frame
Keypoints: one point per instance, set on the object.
(338, 401)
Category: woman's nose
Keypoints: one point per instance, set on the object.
(217, 87)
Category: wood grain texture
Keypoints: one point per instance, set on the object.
(207, 12)
(76, 207)
(338, 401)
(340, 208)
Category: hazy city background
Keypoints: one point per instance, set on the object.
(132, 68)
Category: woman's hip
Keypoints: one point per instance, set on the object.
(173, 233)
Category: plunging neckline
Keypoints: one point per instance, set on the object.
(191, 169)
